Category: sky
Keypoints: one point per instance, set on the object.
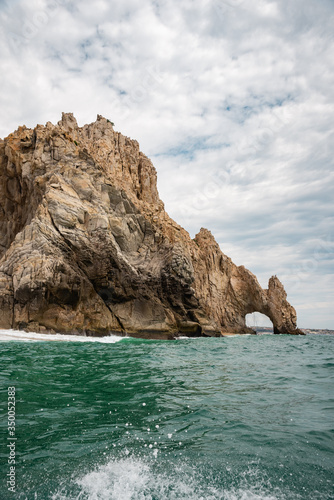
(233, 101)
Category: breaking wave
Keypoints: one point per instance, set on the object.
(6, 335)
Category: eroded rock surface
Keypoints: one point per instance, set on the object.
(87, 247)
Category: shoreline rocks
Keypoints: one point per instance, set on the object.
(86, 245)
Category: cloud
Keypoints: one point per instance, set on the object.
(232, 100)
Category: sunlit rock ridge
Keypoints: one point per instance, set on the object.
(87, 247)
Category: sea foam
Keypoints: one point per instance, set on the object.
(6, 335)
(135, 479)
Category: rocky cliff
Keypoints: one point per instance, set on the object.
(87, 247)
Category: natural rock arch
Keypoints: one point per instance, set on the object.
(86, 245)
(271, 302)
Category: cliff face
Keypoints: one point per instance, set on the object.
(86, 245)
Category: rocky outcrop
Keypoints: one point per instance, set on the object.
(87, 247)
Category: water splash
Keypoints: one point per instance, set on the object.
(137, 479)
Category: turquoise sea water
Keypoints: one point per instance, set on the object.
(247, 417)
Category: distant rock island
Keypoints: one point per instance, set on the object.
(86, 246)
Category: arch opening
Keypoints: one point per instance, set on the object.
(259, 322)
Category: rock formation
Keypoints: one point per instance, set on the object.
(87, 247)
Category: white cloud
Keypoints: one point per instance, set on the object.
(232, 100)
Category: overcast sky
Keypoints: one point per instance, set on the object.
(232, 100)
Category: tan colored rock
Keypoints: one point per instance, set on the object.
(86, 245)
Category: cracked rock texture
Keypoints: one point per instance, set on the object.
(87, 247)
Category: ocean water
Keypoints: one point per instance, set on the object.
(239, 418)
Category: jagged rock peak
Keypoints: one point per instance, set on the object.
(68, 121)
(86, 245)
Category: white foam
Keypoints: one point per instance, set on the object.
(6, 335)
(135, 479)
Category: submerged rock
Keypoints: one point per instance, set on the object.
(87, 247)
